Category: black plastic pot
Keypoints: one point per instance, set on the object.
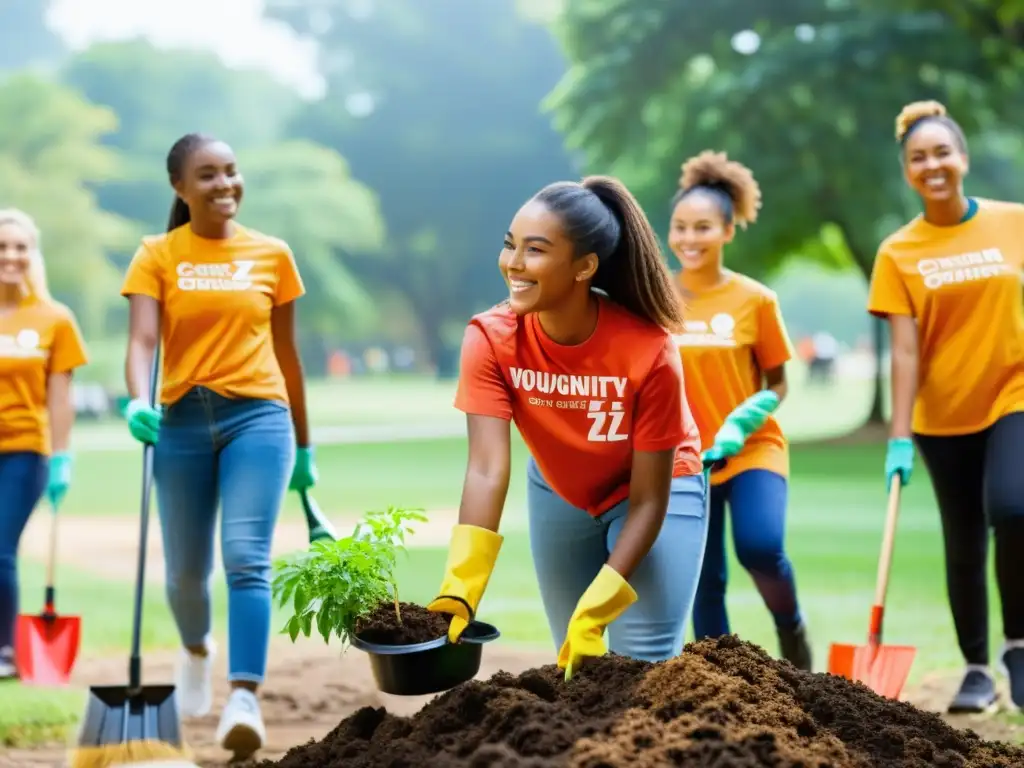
(431, 667)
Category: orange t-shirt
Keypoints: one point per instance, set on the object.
(38, 339)
(733, 333)
(583, 409)
(216, 297)
(962, 284)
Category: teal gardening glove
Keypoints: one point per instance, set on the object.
(899, 460)
(748, 417)
(60, 478)
(304, 474)
(143, 421)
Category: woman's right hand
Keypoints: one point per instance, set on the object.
(899, 460)
(143, 421)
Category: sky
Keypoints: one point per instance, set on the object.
(233, 29)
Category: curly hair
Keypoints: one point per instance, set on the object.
(731, 183)
(917, 113)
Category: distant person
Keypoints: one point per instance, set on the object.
(231, 424)
(581, 358)
(823, 362)
(40, 347)
(734, 351)
(949, 283)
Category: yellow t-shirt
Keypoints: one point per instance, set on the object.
(216, 299)
(962, 285)
(733, 333)
(37, 339)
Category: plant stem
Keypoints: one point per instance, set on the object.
(398, 612)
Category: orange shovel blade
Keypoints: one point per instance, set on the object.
(45, 648)
(884, 668)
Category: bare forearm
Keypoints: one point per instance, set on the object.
(138, 367)
(295, 383)
(483, 499)
(639, 532)
(904, 390)
(62, 417)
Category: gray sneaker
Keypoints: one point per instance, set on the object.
(7, 668)
(795, 648)
(977, 692)
(1012, 663)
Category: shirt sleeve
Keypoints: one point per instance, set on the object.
(482, 390)
(887, 294)
(773, 346)
(143, 277)
(67, 350)
(289, 282)
(661, 409)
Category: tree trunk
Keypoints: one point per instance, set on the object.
(864, 262)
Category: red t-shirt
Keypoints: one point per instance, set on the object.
(582, 410)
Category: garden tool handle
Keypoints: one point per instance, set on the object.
(51, 567)
(885, 562)
(135, 662)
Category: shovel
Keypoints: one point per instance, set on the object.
(320, 528)
(882, 668)
(46, 645)
(126, 725)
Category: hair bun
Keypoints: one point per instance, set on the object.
(914, 112)
(715, 170)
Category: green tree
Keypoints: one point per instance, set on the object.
(804, 92)
(50, 159)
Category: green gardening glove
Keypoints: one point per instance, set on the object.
(748, 417)
(60, 478)
(143, 421)
(304, 473)
(899, 460)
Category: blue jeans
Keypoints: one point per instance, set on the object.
(569, 547)
(22, 482)
(757, 500)
(238, 452)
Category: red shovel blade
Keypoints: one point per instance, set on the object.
(45, 648)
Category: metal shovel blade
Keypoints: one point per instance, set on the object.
(114, 714)
(882, 668)
(45, 648)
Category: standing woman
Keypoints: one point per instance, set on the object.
(949, 283)
(734, 351)
(40, 347)
(221, 298)
(581, 357)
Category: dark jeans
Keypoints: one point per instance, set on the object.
(979, 483)
(757, 500)
(22, 482)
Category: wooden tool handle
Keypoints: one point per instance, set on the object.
(51, 564)
(885, 560)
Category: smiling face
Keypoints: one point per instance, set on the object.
(210, 183)
(934, 162)
(698, 231)
(537, 261)
(16, 245)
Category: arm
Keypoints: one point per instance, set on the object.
(286, 349)
(650, 483)
(143, 337)
(61, 408)
(485, 486)
(904, 373)
(775, 380)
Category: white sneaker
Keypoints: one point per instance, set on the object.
(194, 682)
(241, 728)
(7, 668)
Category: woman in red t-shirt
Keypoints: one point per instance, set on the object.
(581, 357)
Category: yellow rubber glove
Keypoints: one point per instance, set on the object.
(607, 598)
(472, 553)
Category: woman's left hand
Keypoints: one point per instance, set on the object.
(59, 479)
(304, 474)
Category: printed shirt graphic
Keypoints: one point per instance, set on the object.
(734, 332)
(37, 339)
(217, 298)
(582, 410)
(962, 285)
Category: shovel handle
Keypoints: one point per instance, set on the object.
(51, 563)
(885, 563)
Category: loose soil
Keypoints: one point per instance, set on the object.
(410, 625)
(723, 704)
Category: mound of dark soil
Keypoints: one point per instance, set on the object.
(412, 624)
(721, 704)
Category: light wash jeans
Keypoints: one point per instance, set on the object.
(569, 547)
(238, 453)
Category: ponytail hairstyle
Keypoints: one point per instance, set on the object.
(728, 182)
(601, 216)
(35, 278)
(177, 158)
(917, 113)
